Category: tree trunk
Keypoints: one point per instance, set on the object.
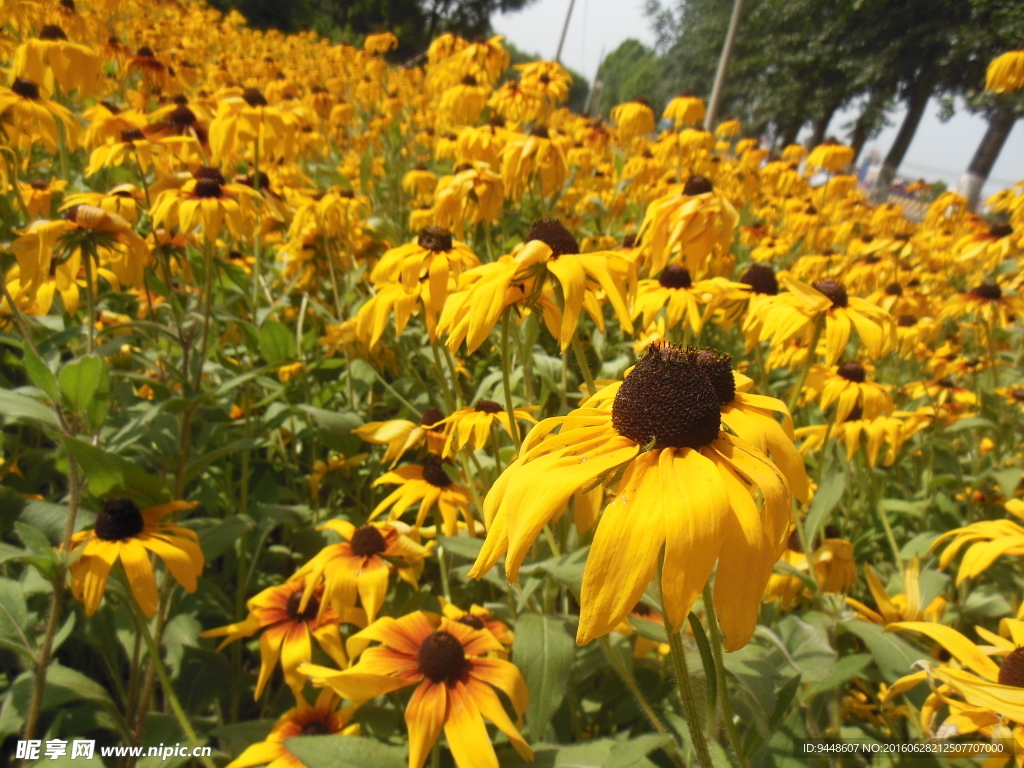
(821, 124)
(791, 128)
(867, 122)
(915, 111)
(1000, 123)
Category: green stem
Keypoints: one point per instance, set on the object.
(723, 691)
(256, 255)
(581, 361)
(883, 517)
(513, 427)
(812, 350)
(165, 681)
(90, 309)
(441, 378)
(686, 695)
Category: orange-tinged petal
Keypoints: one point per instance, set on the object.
(425, 716)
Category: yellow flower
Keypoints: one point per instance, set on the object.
(401, 436)
(848, 387)
(830, 156)
(29, 117)
(903, 607)
(446, 661)
(986, 542)
(322, 719)
(472, 425)
(479, 618)
(633, 118)
(52, 56)
(696, 221)
(285, 633)
(357, 569)
(533, 154)
(428, 484)
(379, 43)
(686, 486)
(206, 202)
(1006, 72)
(688, 109)
(124, 532)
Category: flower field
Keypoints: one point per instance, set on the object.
(366, 413)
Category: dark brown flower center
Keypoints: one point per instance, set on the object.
(315, 728)
(472, 621)
(312, 607)
(988, 291)
(946, 383)
(431, 416)
(906, 321)
(119, 519)
(540, 131)
(488, 406)
(367, 541)
(894, 289)
(761, 279)
(553, 233)
(667, 400)
(52, 32)
(852, 371)
(132, 134)
(629, 241)
(145, 51)
(1017, 394)
(675, 276)
(206, 188)
(856, 414)
(1011, 671)
(793, 542)
(433, 473)
(441, 658)
(697, 185)
(40, 184)
(254, 97)
(181, 116)
(718, 368)
(469, 80)
(1000, 230)
(836, 292)
(25, 88)
(435, 239)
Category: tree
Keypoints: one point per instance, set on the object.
(414, 22)
(631, 70)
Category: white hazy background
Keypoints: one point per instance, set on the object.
(940, 151)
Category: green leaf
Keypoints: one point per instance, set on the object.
(219, 538)
(892, 655)
(825, 500)
(277, 342)
(809, 648)
(85, 385)
(652, 630)
(463, 546)
(109, 474)
(544, 653)
(13, 610)
(595, 753)
(785, 697)
(973, 422)
(339, 423)
(15, 407)
(847, 667)
(200, 463)
(40, 375)
(236, 737)
(345, 752)
(626, 754)
(33, 539)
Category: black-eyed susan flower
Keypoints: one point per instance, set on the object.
(358, 567)
(633, 118)
(986, 541)
(125, 533)
(687, 109)
(207, 203)
(429, 485)
(827, 303)
(988, 302)
(401, 436)
(905, 606)
(472, 425)
(848, 387)
(285, 633)
(686, 486)
(1005, 73)
(830, 156)
(454, 679)
(323, 718)
(530, 156)
(52, 57)
(480, 618)
(680, 296)
(29, 117)
(695, 220)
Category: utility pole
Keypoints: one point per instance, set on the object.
(718, 91)
(565, 28)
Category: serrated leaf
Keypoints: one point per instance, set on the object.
(544, 653)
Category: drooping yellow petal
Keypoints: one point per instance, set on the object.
(963, 649)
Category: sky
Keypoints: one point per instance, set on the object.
(940, 151)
